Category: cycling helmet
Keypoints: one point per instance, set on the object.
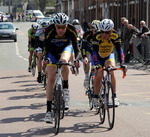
(106, 25)
(75, 22)
(51, 21)
(34, 26)
(61, 19)
(96, 24)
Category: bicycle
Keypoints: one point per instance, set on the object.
(34, 61)
(44, 74)
(58, 105)
(106, 97)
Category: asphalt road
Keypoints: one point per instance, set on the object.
(23, 100)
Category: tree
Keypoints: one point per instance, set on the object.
(42, 4)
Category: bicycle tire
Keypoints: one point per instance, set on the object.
(102, 111)
(62, 107)
(57, 108)
(110, 104)
(91, 81)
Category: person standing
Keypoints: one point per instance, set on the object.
(84, 25)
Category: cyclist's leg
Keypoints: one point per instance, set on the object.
(51, 72)
(86, 70)
(39, 64)
(31, 49)
(65, 57)
(110, 62)
(97, 85)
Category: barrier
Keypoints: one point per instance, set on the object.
(141, 50)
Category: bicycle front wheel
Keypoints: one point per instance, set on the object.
(57, 108)
(110, 104)
(102, 105)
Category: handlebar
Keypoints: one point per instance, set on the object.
(111, 69)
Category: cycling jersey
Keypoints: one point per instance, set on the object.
(40, 37)
(55, 44)
(103, 48)
(87, 43)
(30, 33)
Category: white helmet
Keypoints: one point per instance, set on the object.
(106, 25)
(61, 19)
(96, 24)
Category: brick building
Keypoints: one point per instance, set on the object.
(133, 10)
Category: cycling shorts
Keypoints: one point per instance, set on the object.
(102, 61)
(68, 49)
(32, 45)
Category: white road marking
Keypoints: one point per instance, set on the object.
(17, 52)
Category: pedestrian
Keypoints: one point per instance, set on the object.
(2, 16)
(122, 26)
(11, 17)
(84, 24)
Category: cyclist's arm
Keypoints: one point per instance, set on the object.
(95, 45)
(120, 52)
(74, 43)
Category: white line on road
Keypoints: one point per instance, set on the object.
(17, 52)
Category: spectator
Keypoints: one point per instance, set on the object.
(143, 29)
(133, 29)
(22, 15)
(122, 26)
(2, 16)
(84, 25)
(11, 17)
(125, 37)
(19, 17)
(89, 25)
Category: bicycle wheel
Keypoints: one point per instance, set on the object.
(102, 104)
(110, 104)
(91, 82)
(57, 108)
(62, 107)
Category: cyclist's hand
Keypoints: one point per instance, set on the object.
(77, 64)
(95, 68)
(85, 60)
(124, 68)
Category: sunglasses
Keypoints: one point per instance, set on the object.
(106, 32)
(60, 27)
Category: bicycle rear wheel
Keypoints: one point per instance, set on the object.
(110, 104)
(57, 108)
(102, 105)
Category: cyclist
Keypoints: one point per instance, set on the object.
(58, 37)
(86, 49)
(40, 37)
(31, 43)
(103, 45)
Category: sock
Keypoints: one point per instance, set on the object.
(39, 73)
(115, 95)
(65, 84)
(86, 75)
(49, 106)
(96, 96)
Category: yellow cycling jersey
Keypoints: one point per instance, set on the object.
(105, 47)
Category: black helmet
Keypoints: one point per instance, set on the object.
(75, 22)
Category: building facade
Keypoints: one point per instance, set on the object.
(133, 10)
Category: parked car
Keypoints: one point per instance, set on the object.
(8, 31)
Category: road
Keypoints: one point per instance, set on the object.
(23, 100)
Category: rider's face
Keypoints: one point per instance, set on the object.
(105, 34)
(61, 29)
